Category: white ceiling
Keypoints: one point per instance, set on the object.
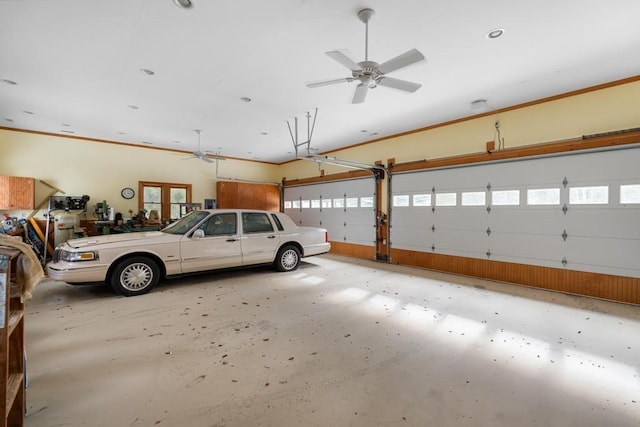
(77, 65)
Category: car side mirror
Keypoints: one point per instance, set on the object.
(198, 234)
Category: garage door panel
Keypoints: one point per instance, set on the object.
(460, 242)
(533, 247)
(411, 238)
(603, 222)
(617, 253)
(351, 225)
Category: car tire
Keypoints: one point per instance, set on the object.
(135, 276)
(288, 258)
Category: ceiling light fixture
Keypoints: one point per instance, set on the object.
(147, 71)
(494, 34)
(133, 107)
(28, 112)
(9, 82)
(245, 99)
(184, 4)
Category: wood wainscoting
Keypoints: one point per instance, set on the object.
(615, 288)
(353, 250)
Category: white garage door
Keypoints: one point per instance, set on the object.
(345, 208)
(578, 211)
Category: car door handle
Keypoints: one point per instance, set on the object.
(271, 237)
(232, 240)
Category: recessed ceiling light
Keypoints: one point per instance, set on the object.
(185, 4)
(66, 125)
(9, 82)
(176, 141)
(28, 112)
(494, 34)
(245, 99)
(122, 133)
(479, 106)
(67, 131)
(9, 120)
(147, 142)
(373, 133)
(264, 133)
(364, 131)
(133, 107)
(147, 71)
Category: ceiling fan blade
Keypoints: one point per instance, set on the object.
(202, 156)
(399, 84)
(410, 57)
(361, 94)
(344, 57)
(329, 82)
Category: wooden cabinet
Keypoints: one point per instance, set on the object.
(12, 372)
(17, 193)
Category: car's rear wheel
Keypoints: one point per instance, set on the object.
(135, 276)
(288, 258)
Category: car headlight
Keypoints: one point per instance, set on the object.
(78, 256)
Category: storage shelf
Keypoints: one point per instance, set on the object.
(12, 357)
(14, 318)
(14, 382)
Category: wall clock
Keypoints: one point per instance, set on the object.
(128, 193)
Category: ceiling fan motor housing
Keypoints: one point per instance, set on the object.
(369, 74)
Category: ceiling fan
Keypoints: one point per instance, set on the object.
(199, 154)
(369, 73)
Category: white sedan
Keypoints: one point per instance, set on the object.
(133, 263)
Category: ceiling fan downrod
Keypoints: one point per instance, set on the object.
(365, 15)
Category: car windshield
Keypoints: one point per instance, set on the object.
(186, 223)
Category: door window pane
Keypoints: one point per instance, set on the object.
(401, 200)
(446, 199)
(177, 196)
(366, 202)
(475, 198)
(505, 198)
(352, 202)
(338, 203)
(543, 196)
(255, 222)
(326, 203)
(630, 193)
(422, 200)
(589, 195)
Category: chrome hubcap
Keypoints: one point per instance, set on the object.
(289, 259)
(136, 276)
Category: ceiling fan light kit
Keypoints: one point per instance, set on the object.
(370, 74)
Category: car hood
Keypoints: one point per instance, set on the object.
(123, 239)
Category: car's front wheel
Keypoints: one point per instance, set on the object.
(288, 258)
(135, 276)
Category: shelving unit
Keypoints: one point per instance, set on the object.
(12, 372)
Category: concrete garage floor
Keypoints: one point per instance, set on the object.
(339, 342)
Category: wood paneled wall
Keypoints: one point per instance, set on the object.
(352, 250)
(616, 288)
(240, 195)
